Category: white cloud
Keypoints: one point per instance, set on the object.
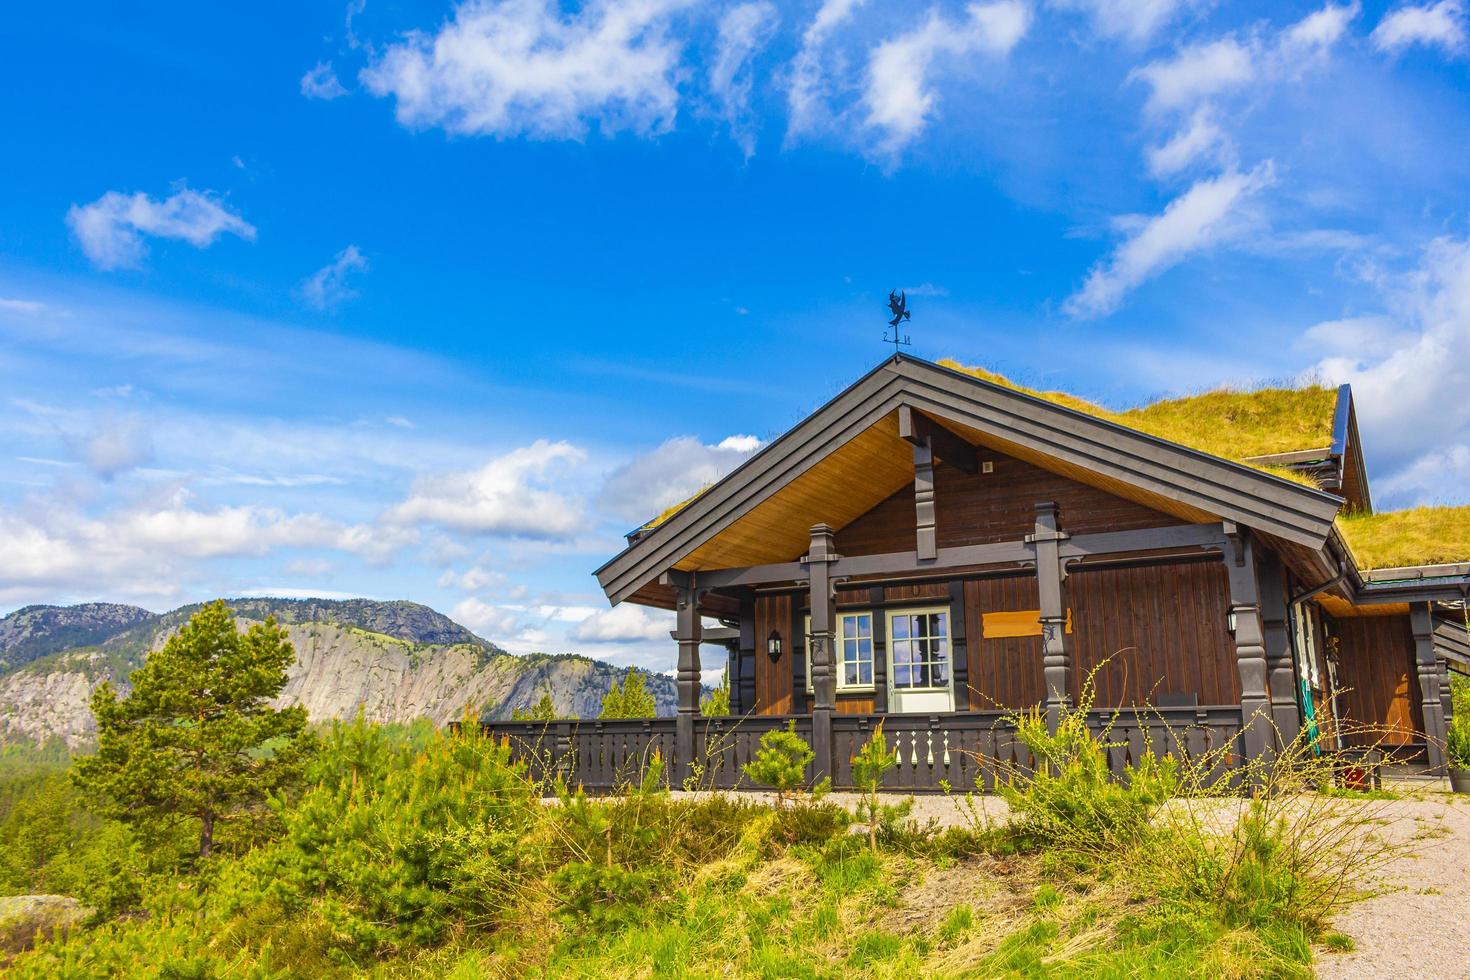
(1197, 72)
(111, 228)
(327, 288)
(1132, 20)
(519, 494)
(806, 92)
(115, 444)
(21, 305)
(680, 467)
(321, 83)
(491, 622)
(1441, 24)
(744, 30)
(897, 98)
(1200, 217)
(1373, 335)
(398, 422)
(1409, 373)
(473, 579)
(625, 623)
(520, 67)
(1201, 139)
(1320, 30)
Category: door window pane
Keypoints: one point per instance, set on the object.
(920, 648)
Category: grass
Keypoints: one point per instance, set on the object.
(1231, 424)
(1413, 536)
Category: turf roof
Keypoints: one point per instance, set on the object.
(1406, 538)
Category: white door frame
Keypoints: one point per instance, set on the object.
(930, 700)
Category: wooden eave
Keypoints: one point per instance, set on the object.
(785, 487)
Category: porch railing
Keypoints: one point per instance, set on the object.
(960, 751)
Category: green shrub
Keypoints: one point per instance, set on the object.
(869, 766)
(781, 763)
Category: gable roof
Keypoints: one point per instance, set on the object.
(852, 433)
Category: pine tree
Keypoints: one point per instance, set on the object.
(543, 710)
(717, 705)
(197, 739)
(631, 700)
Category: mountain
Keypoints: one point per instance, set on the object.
(36, 631)
(396, 661)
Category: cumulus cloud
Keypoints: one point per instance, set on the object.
(625, 623)
(744, 30)
(1196, 72)
(522, 67)
(1409, 373)
(489, 621)
(676, 470)
(321, 83)
(1199, 218)
(1433, 25)
(327, 288)
(1132, 20)
(897, 97)
(111, 229)
(472, 579)
(519, 494)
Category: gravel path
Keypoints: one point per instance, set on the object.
(1419, 926)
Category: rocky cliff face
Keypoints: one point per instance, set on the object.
(396, 662)
(36, 631)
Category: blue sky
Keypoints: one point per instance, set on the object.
(434, 300)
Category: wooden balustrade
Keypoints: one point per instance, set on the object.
(960, 751)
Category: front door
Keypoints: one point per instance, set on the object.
(919, 675)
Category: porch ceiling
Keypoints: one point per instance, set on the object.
(837, 490)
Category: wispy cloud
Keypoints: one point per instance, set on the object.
(807, 90)
(327, 288)
(744, 29)
(676, 470)
(111, 229)
(1201, 217)
(1433, 25)
(21, 305)
(1133, 20)
(322, 83)
(898, 98)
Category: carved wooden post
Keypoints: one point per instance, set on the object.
(1250, 643)
(1421, 620)
(1446, 700)
(688, 629)
(1281, 671)
(1051, 585)
(820, 559)
(925, 543)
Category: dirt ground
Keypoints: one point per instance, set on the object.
(1418, 926)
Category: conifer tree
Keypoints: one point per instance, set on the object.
(197, 738)
(717, 705)
(542, 710)
(631, 700)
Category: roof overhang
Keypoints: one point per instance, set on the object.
(1186, 482)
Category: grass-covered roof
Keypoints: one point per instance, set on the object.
(1227, 423)
(1406, 538)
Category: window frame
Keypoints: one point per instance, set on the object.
(837, 651)
(891, 644)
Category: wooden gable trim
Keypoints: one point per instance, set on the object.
(1195, 481)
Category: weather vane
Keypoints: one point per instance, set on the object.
(898, 304)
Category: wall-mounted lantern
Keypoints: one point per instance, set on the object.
(773, 646)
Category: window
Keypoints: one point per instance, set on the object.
(918, 643)
(852, 652)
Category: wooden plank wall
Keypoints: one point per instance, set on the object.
(985, 508)
(773, 682)
(1376, 675)
(1004, 673)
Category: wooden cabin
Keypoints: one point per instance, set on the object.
(936, 547)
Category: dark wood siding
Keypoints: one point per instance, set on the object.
(1378, 686)
(1004, 673)
(773, 682)
(1164, 628)
(985, 508)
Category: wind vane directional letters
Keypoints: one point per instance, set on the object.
(898, 305)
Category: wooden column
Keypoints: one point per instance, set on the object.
(1421, 620)
(819, 561)
(751, 647)
(1280, 668)
(1250, 643)
(687, 631)
(926, 545)
(959, 658)
(1051, 585)
(1446, 700)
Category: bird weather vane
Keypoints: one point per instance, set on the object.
(898, 305)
